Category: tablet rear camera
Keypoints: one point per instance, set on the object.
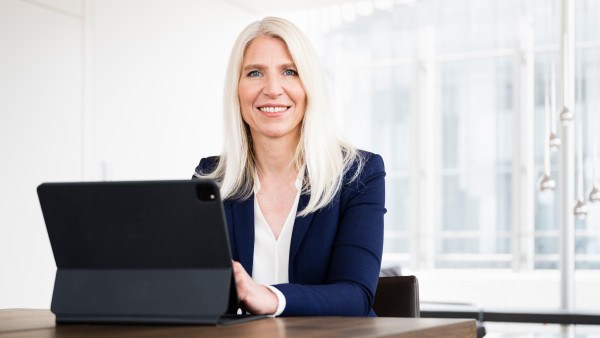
(205, 193)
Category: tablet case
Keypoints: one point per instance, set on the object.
(139, 252)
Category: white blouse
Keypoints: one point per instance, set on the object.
(271, 256)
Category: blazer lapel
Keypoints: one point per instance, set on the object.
(301, 225)
(243, 231)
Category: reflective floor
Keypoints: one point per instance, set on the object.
(518, 330)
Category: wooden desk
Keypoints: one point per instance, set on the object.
(16, 323)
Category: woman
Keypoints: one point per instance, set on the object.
(304, 209)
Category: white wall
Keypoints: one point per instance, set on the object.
(91, 90)
(158, 69)
(40, 138)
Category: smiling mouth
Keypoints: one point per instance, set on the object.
(273, 109)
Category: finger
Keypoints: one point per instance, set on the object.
(241, 280)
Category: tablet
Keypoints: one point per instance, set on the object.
(140, 252)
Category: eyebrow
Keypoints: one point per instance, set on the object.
(262, 67)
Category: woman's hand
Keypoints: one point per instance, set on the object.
(255, 298)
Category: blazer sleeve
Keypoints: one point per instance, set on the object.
(206, 165)
(356, 254)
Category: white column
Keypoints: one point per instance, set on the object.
(424, 128)
(567, 178)
(523, 182)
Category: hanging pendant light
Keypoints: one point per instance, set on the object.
(546, 182)
(580, 210)
(554, 142)
(566, 115)
(594, 195)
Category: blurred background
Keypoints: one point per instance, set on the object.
(458, 96)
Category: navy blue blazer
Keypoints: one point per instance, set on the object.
(335, 253)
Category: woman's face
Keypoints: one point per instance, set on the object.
(272, 98)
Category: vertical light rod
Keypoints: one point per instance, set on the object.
(567, 178)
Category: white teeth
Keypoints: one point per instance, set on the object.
(272, 109)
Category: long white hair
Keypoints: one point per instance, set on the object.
(325, 156)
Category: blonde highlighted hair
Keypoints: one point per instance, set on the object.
(325, 156)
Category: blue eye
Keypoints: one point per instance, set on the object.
(290, 72)
(254, 73)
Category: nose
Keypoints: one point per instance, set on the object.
(272, 87)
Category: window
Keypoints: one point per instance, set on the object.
(433, 86)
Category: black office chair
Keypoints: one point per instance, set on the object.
(397, 296)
